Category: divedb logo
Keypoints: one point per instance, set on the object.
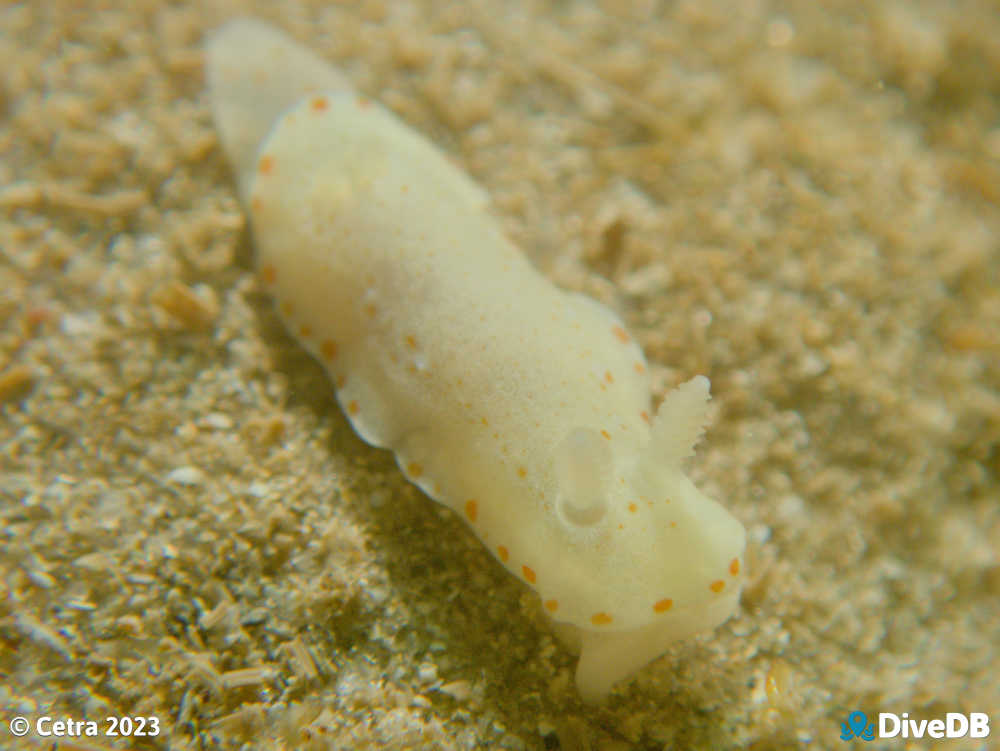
(954, 725)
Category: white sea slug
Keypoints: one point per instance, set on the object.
(523, 407)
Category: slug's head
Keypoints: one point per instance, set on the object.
(641, 544)
(645, 558)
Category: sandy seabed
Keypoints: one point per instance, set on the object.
(799, 200)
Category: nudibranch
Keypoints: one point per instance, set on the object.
(523, 407)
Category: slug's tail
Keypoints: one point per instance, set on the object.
(254, 74)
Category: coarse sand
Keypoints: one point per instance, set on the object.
(800, 200)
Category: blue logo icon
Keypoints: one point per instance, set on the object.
(857, 727)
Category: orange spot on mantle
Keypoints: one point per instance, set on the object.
(621, 334)
(265, 165)
(717, 586)
(319, 104)
(734, 567)
(601, 619)
(471, 510)
(503, 553)
(529, 574)
(663, 605)
(552, 605)
(328, 348)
